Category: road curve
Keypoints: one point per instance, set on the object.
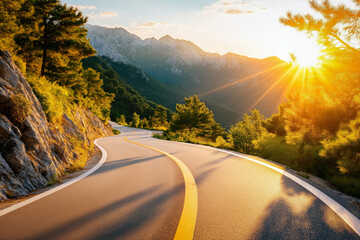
(138, 193)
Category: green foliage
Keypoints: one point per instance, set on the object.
(53, 41)
(54, 99)
(195, 117)
(349, 185)
(144, 123)
(135, 122)
(345, 149)
(276, 125)
(245, 132)
(127, 100)
(152, 89)
(55, 178)
(337, 30)
(121, 120)
(96, 99)
(8, 24)
(19, 107)
(116, 132)
(159, 119)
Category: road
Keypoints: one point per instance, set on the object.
(140, 193)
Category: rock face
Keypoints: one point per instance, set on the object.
(33, 151)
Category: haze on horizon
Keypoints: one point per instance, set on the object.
(245, 27)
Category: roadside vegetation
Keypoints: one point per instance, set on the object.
(48, 41)
(317, 130)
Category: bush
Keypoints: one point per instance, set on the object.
(345, 149)
(20, 107)
(53, 98)
(82, 151)
(116, 132)
(276, 149)
(348, 185)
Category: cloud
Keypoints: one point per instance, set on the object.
(103, 14)
(81, 7)
(237, 11)
(234, 7)
(148, 24)
(152, 24)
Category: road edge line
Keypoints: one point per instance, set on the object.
(60, 187)
(350, 219)
(186, 226)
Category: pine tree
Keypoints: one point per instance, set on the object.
(54, 41)
(8, 23)
(246, 131)
(135, 121)
(195, 116)
(337, 29)
(96, 99)
(160, 117)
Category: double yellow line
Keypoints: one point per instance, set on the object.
(186, 227)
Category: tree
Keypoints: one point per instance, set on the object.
(195, 116)
(95, 98)
(338, 30)
(135, 120)
(122, 120)
(246, 131)
(8, 23)
(144, 123)
(160, 117)
(345, 149)
(328, 100)
(54, 38)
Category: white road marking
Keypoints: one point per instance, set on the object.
(56, 189)
(343, 213)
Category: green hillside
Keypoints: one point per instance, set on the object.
(127, 99)
(154, 90)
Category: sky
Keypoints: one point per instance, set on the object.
(245, 27)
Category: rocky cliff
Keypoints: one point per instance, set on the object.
(33, 150)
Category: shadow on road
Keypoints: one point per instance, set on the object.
(300, 215)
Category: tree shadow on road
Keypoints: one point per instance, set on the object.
(300, 215)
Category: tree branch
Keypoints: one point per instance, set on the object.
(343, 42)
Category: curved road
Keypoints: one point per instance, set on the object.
(138, 193)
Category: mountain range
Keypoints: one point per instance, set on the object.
(230, 84)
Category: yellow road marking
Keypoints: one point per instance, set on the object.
(186, 227)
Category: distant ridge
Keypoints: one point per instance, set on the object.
(184, 65)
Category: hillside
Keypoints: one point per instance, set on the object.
(33, 150)
(140, 86)
(184, 66)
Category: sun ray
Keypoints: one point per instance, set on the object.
(272, 86)
(243, 79)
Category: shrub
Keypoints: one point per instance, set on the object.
(116, 132)
(348, 185)
(82, 150)
(53, 98)
(135, 121)
(20, 107)
(345, 149)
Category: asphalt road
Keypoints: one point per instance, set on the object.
(138, 193)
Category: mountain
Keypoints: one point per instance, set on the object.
(127, 99)
(185, 66)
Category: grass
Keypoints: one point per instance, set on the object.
(116, 132)
(82, 151)
(54, 180)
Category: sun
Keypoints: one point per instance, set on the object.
(308, 59)
(307, 55)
